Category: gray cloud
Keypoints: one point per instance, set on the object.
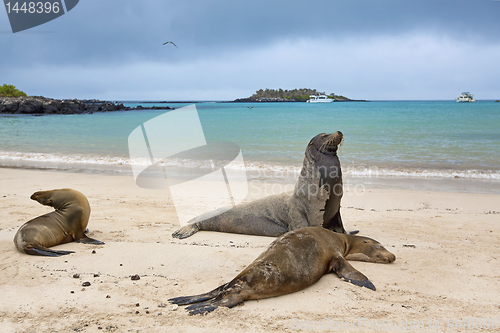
(106, 46)
(115, 30)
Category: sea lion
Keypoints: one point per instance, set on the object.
(66, 224)
(291, 263)
(277, 214)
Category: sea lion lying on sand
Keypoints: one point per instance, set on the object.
(291, 263)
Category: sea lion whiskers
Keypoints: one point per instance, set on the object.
(334, 140)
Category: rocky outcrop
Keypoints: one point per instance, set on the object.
(43, 105)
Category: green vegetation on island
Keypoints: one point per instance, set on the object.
(8, 90)
(280, 95)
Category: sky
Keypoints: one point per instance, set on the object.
(228, 49)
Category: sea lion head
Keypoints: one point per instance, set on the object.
(321, 157)
(326, 143)
(43, 197)
(366, 249)
(57, 198)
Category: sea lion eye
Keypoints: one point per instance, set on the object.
(365, 241)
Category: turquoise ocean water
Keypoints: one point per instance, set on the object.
(398, 139)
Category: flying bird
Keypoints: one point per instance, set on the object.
(250, 107)
(170, 43)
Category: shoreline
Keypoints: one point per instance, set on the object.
(440, 184)
(434, 235)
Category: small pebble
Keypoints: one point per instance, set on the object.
(174, 307)
(76, 276)
(107, 296)
(93, 251)
(135, 277)
(96, 275)
(137, 304)
(147, 312)
(86, 284)
(162, 305)
(99, 328)
(72, 292)
(137, 312)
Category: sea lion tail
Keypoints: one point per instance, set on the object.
(225, 295)
(42, 251)
(227, 300)
(185, 300)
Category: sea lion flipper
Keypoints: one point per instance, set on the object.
(42, 251)
(335, 224)
(227, 295)
(227, 300)
(186, 231)
(88, 240)
(184, 300)
(346, 272)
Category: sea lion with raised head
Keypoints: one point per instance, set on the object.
(314, 202)
(291, 263)
(66, 224)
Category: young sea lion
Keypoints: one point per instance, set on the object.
(291, 263)
(314, 202)
(66, 224)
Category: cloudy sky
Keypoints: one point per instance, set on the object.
(363, 49)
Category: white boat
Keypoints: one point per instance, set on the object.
(319, 99)
(465, 98)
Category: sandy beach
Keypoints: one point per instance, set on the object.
(446, 277)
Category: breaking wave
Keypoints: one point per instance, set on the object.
(264, 170)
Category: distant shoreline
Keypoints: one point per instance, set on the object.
(39, 105)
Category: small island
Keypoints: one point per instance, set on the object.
(295, 95)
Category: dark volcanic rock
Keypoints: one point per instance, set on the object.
(43, 105)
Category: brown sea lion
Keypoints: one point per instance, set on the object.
(291, 263)
(66, 224)
(277, 214)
